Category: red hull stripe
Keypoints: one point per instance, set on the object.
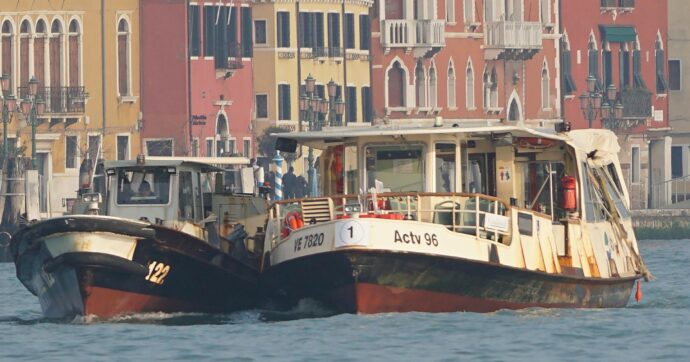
(105, 303)
(372, 298)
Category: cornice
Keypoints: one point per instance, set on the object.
(367, 3)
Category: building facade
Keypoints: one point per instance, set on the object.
(463, 60)
(85, 59)
(327, 40)
(679, 93)
(622, 44)
(197, 94)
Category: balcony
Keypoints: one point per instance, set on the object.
(423, 36)
(512, 39)
(60, 100)
(637, 109)
(617, 4)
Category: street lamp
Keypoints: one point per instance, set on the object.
(612, 109)
(590, 101)
(9, 104)
(33, 107)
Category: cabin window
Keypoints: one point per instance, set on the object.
(613, 192)
(396, 168)
(351, 177)
(186, 197)
(445, 167)
(542, 187)
(594, 207)
(143, 186)
(480, 173)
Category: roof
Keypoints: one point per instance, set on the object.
(206, 164)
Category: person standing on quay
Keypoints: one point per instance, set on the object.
(289, 183)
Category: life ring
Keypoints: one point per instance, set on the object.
(292, 221)
(535, 142)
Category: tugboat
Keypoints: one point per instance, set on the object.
(437, 217)
(159, 240)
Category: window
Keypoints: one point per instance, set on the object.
(469, 87)
(451, 86)
(246, 17)
(185, 196)
(194, 31)
(209, 147)
(366, 104)
(469, 12)
(433, 90)
(593, 58)
(624, 68)
(123, 147)
(674, 75)
(123, 66)
(261, 106)
(397, 168)
(545, 8)
(638, 81)
(24, 35)
(566, 66)
(677, 161)
(661, 85)
(607, 65)
(490, 89)
(71, 151)
(162, 147)
(317, 21)
(420, 85)
(234, 50)
(445, 167)
(283, 28)
(232, 148)
(545, 89)
(306, 30)
(334, 34)
(350, 31)
(247, 148)
(40, 50)
(6, 52)
(259, 31)
(351, 104)
(364, 32)
(396, 86)
(221, 38)
(73, 53)
(94, 148)
(137, 187)
(56, 54)
(209, 30)
(635, 164)
(450, 11)
(284, 113)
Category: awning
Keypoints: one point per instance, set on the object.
(618, 33)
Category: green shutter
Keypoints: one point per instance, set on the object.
(618, 33)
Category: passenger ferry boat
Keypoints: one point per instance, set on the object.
(448, 217)
(161, 239)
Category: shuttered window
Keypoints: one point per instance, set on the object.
(232, 34)
(284, 102)
(209, 30)
(71, 151)
(318, 30)
(122, 58)
(221, 38)
(351, 104)
(246, 18)
(283, 29)
(594, 66)
(607, 66)
(194, 31)
(638, 81)
(6, 38)
(625, 69)
(24, 59)
(674, 75)
(307, 30)
(350, 31)
(333, 30)
(73, 54)
(366, 104)
(364, 32)
(566, 66)
(661, 85)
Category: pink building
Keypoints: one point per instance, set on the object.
(466, 60)
(622, 44)
(196, 78)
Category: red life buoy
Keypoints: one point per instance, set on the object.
(293, 221)
(535, 142)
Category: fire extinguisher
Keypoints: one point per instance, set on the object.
(569, 193)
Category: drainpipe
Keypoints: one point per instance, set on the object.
(344, 36)
(103, 80)
(188, 60)
(299, 70)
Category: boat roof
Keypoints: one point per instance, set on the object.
(205, 164)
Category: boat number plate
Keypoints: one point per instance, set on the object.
(157, 272)
(352, 232)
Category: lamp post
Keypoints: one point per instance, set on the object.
(33, 106)
(9, 104)
(590, 101)
(612, 109)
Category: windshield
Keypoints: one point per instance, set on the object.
(395, 168)
(143, 186)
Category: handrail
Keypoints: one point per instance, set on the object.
(668, 192)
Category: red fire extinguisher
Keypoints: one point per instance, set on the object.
(569, 193)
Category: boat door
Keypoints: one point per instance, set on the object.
(190, 201)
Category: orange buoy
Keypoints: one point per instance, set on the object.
(638, 293)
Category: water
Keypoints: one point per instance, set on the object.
(656, 328)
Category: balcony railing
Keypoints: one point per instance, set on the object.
(404, 33)
(637, 103)
(520, 35)
(59, 100)
(611, 4)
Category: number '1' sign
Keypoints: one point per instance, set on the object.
(352, 232)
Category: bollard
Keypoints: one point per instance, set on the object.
(279, 176)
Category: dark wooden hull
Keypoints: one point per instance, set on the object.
(379, 282)
(201, 278)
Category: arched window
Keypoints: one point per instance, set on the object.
(396, 86)
(40, 52)
(450, 11)
(56, 55)
(494, 88)
(514, 111)
(593, 58)
(661, 84)
(420, 85)
(638, 82)
(123, 58)
(545, 90)
(450, 92)
(486, 80)
(74, 53)
(468, 12)
(566, 66)
(545, 11)
(6, 51)
(24, 36)
(469, 86)
(222, 135)
(433, 90)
